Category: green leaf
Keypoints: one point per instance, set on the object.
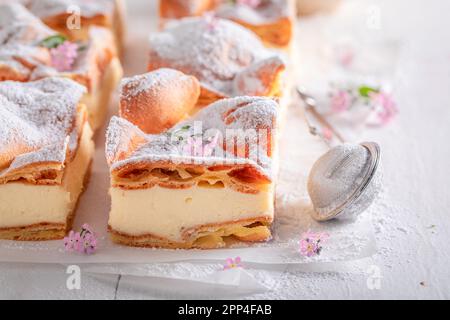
(365, 91)
(53, 41)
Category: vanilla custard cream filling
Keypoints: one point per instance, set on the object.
(168, 212)
(24, 204)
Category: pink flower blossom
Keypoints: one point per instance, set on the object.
(82, 242)
(340, 101)
(63, 57)
(71, 242)
(346, 59)
(249, 3)
(327, 133)
(233, 263)
(384, 105)
(86, 228)
(311, 243)
(89, 244)
(345, 56)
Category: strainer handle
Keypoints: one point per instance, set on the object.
(310, 106)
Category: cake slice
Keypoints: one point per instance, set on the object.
(271, 20)
(227, 59)
(29, 51)
(45, 153)
(206, 182)
(63, 16)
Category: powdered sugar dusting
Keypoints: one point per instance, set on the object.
(256, 80)
(337, 175)
(149, 81)
(214, 54)
(241, 113)
(24, 59)
(37, 120)
(119, 137)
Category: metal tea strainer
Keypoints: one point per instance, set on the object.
(345, 181)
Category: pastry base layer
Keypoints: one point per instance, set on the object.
(97, 101)
(210, 236)
(198, 217)
(31, 212)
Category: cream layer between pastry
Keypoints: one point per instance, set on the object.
(175, 211)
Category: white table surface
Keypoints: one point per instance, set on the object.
(412, 226)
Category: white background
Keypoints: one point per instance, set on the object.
(412, 224)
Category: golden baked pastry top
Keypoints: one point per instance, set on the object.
(229, 142)
(41, 123)
(227, 59)
(24, 57)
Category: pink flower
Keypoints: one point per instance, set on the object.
(340, 101)
(233, 264)
(77, 242)
(89, 244)
(86, 228)
(345, 56)
(311, 243)
(63, 57)
(82, 242)
(327, 133)
(70, 242)
(249, 3)
(211, 21)
(346, 59)
(385, 105)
